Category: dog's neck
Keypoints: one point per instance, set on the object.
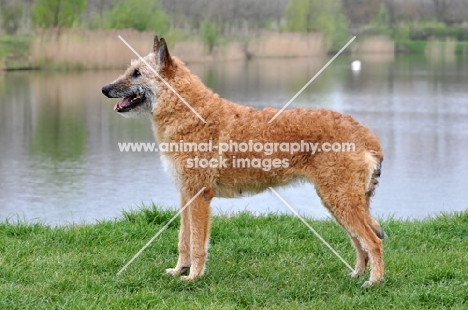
(173, 120)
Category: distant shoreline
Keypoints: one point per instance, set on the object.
(79, 49)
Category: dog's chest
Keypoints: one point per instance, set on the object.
(171, 170)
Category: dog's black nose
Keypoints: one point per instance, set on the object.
(105, 90)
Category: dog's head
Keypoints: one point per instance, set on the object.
(139, 85)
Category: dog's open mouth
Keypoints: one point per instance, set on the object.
(128, 103)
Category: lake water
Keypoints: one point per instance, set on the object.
(60, 162)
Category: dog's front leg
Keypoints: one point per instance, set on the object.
(199, 234)
(183, 263)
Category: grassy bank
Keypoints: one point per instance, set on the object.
(270, 262)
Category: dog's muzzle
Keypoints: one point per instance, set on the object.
(106, 89)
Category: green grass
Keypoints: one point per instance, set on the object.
(267, 262)
(414, 47)
(14, 52)
(462, 47)
(419, 47)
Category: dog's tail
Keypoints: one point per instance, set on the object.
(374, 163)
(377, 229)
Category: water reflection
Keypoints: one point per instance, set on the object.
(59, 158)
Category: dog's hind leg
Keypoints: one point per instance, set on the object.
(346, 193)
(199, 211)
(362, 257)
(370, 243)
(183, 263)
(350, 210)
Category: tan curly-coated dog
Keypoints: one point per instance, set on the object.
(344, 180)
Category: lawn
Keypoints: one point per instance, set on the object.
(266, 262)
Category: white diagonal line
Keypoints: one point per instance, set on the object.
(163, 80)
(311, 80)
(311, 229)
(160, 231)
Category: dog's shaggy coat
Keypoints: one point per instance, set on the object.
(345, 181)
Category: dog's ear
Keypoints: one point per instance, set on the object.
(163, 53)
(164, 58)
(155, 44)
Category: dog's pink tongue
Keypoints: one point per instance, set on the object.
(122, 104)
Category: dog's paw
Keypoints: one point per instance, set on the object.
(173, 272)
(370, 283)
(177, 271)
(188, 278)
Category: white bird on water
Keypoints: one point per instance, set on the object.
(356, 65)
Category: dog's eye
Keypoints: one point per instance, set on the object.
(136, 73)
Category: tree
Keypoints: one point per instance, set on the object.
(140, 15)
(209, 32)
(57, 13)
(318, 15)
(93, 16)
(10, 18)
(297, 15)
(360, 12)
(441, 8)
(312, 15)
(232, 17)
(390, 6)
(381, 21)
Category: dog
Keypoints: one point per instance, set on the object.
(345, 181)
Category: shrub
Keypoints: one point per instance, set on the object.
(140, 15)
(402, 33)
(57, 13)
